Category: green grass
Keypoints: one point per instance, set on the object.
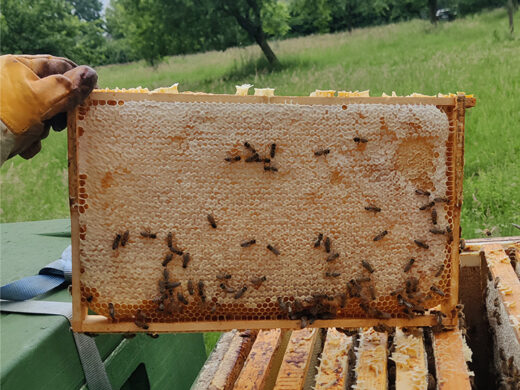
(475, 55)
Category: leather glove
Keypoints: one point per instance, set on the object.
(35, 94)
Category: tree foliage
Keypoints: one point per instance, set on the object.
(50, 27)
(151, 29)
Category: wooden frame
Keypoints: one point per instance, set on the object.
(83, 322)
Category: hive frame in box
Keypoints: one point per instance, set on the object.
(454, 107)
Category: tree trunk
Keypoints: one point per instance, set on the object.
(432, 6)
(510, 12)
(266, 49)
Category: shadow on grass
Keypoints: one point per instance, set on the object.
(246, 68)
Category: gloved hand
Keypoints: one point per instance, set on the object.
(35, 94)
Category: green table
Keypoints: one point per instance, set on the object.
(38, 352)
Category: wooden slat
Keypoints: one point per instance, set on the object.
(371, 367)
(233, 361)
(209, 369)
(222, 98)
(500, 267)
(333, 370)
(410, 360)
(100, 324)
(297, 359)
(263, 362)
(450, 363)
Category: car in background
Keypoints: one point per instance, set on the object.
(446, 14)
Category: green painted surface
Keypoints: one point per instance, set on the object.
(38, 352)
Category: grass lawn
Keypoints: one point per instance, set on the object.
(475, 55)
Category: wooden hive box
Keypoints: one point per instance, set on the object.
(197, 212)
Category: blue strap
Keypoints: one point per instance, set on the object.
(51, 276)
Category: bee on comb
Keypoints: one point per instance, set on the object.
(232, 159)
(322, 152)
(147, 234)
(240, 292)
(124, 238)
(246, 244)
(211, 221)
(421, 244)
(273, 249)
(367, 266)
(422, 192)
(115, 243)
(185, 260)
(257, 282)
(408, 265)
(273, 150)
(317, 243)
(381, 235)
(360, 140)
(373, 208)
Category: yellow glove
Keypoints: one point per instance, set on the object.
(35, 93)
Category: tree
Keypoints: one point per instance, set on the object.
(248, 14)
(50, 27)
(432, 8)
(88, 10)
(510, 13)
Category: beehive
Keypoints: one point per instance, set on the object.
(205, 212)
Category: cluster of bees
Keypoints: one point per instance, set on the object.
(319, 306)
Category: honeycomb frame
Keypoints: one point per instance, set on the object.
(208, 318)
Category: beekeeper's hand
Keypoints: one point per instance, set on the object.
(35, 94)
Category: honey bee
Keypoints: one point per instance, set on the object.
(191, 290)
(90, 298)
(282, 304)
(322, 152)
(412, 283)
(185, 260)
(439, 271)
(360, 140)
(253, 158)
(140, 320)
(332, 256)
(367, 266)
(342, 300)
(266, 160)
(437, 231)
(422, 192)
(373, 208)
(273, 249)
(332, 274)
(147, 234)
(383, 328)
(327, 244)
(273, 150)
(403, 302)
(303, 322)
(317, 243)
(269, 168)
(257, 282)
(363, 279)
(409, 265)
(115, 243)
(232, 159)
(421, 244)
(240, 292)
(372, 291)
(434, 216)
(167, 259)
(381, 235)
(181, 298)
(166, 274)
(200, 287)
(441, 200)
(211, 221)
(227, 289)
(427, 206)
(112, 311)
(223, 276)
(437, 290)
(124, 239)
(176, 251)
(246, 244)
(153, 335)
